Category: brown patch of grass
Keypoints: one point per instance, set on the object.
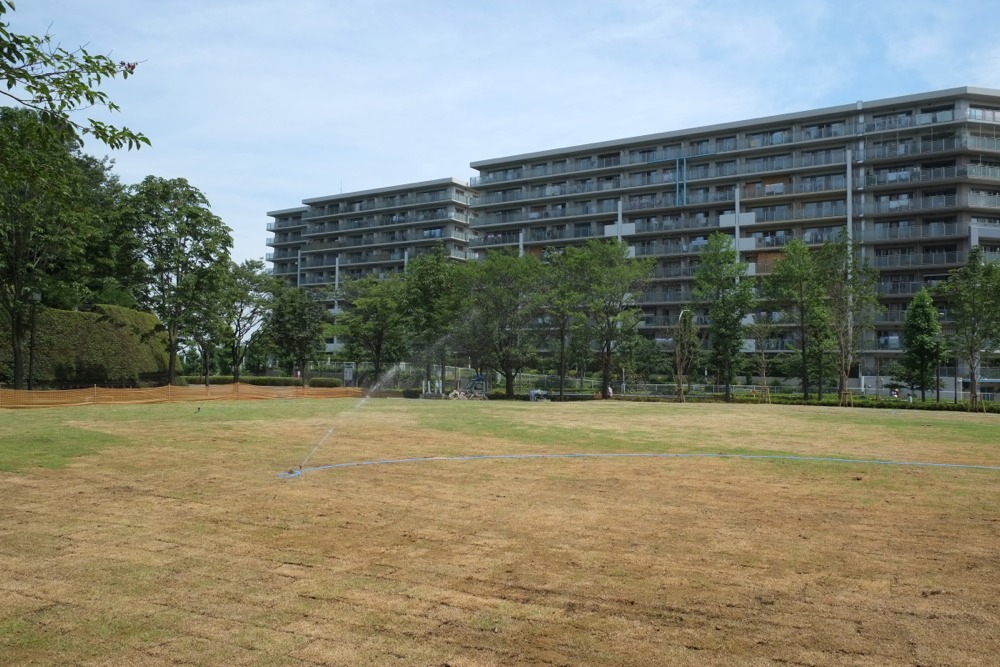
(187, 549)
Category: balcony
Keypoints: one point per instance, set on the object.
(285, 224)
(934, 203)
(816, 238)
(493, 240)
(873, 152)
(930, 230)
(497, 177)
(674, 248)
(900, 122)
(570, 166)
(274, 241)
(650, 202)
(675, 271)
(666, 296)
(903, 288)
(503, 197)
(770, 242)
(920, 259)
(506, 218)
(573, 189)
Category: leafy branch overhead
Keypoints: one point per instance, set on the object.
(39, 74)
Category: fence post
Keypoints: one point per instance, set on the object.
(95, 394)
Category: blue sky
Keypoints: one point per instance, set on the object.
(261, 104)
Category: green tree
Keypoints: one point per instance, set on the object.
(973, 297)
(721, 286)
(206, 328)
(433, 297)
(613, 280)
(796, 286)
(563, 293)
(184, 246)
(686, 349)
(113, 271)
(374, 321)
(503, 307)
(853, 303)
(44, 224)
(761, 332)
(246, 301)
(294, 327)
(921, 343)
(43, 76)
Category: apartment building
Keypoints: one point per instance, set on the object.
(915, 179)
(373, 232)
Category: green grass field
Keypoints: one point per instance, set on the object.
(164, 535)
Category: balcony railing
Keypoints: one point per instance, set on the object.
(654, 249)
(929, 230)
(285, 224)
(873, 152)
(899, 288)
(371, 222)
(918, 175)
(675, 271)
(920, 259)
(487, 240)
(935, 202)
(666, 296)
(900, 122)
(489, 219)
(571, 189)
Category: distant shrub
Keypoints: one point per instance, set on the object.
(212, 379)
(267, 381)
(326, 382)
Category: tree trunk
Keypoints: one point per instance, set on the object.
(819, 387)
(237, 361)
(443, 359)
(679, 378)
(17, 344)
(728, 392)
(172, 364)
(973, 382)
(805, 362)
(562, 366)
(606, 371)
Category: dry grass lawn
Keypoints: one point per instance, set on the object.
(179, 544)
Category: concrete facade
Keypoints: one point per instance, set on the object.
(915, 179)
(355, 234)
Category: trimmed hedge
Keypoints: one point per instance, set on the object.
(326, 382)
(258, 380)
(267, 381)
(107, 345)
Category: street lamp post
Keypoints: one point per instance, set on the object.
(35, 298)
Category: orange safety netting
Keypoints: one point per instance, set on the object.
(20, 398)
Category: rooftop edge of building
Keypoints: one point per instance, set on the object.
(861, 105)
(387, 189)
(287, 211)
